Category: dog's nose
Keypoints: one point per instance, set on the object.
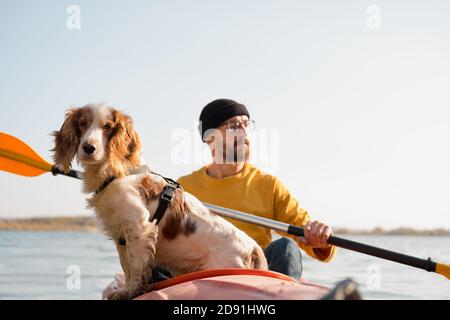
(88, 148)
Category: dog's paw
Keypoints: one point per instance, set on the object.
(62, 167)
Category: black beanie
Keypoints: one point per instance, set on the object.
(217, 111)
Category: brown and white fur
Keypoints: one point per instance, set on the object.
(188, 238)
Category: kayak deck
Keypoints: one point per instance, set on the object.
(230, 284)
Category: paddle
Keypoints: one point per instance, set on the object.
(427, 265)
(17, 157)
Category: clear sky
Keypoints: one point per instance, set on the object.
(356, 100)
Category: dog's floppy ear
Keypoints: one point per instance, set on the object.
(124, 146)
(67, 140)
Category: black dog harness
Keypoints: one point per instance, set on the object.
(165, 198)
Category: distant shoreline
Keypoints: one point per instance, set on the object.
(403, 231)
(88, 224)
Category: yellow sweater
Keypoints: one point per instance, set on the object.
(257, 193)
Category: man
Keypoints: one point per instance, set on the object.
(231, 181)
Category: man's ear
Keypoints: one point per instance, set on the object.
(205, 136)
(199, 128)
(66, 140)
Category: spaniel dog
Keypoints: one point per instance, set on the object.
(187, 238)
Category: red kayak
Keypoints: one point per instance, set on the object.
(239, 284)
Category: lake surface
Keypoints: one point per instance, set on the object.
(45, 265)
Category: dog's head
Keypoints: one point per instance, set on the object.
(96, 134)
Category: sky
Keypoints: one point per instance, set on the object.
(351, 98)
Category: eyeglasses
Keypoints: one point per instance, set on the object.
(236, 125)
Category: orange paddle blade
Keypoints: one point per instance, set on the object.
(443, 269)
(19, 158)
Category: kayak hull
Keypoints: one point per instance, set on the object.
(229, 284)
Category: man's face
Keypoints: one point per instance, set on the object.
(230, 142)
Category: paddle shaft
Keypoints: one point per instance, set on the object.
(72, 173)
(427, 265)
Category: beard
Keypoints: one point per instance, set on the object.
(239, 152)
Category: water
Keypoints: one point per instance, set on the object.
(34, 265)
(396, 281)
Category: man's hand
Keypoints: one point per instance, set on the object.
(316, 235)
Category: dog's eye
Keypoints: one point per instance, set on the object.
(83, 124)
(106, 127)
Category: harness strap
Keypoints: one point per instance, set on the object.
(141, 169)
(165, 197)
(105, 184)
(164, 202)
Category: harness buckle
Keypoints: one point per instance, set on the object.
(168, 193)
